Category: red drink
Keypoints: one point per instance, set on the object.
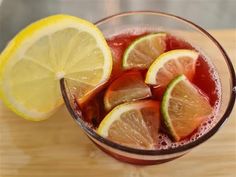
(94, 111)
(134, 117)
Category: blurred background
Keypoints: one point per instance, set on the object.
(16, 14)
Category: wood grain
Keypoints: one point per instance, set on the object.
(58, 148)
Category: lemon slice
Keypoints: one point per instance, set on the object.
(133, 124)
(59, 46)
(184, 107)
(143, 51)
(128, 87)
(171, 64)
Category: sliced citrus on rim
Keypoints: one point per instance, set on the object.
(183, 108)
(128, 87)
(171, 64)
(143, 51)
(133, 124)
(43, 53)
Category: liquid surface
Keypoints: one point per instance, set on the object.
(205, 78)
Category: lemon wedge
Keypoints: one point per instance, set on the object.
(134, 124)
(184, 107)
(171, 64)
(143, 51)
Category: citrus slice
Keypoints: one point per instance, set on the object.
(171, 64)
(128, 87)
(184, 107)
(133, 124)
(143, 51)
(43, 53)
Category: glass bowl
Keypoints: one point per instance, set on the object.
(200, 39)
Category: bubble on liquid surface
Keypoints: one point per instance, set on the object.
(164, 142)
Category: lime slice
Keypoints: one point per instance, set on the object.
(184, 107)
(143, 51)
(43, 53)
(171, 64)
(128, 87)
(133, 124)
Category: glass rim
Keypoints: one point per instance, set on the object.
(178, 149)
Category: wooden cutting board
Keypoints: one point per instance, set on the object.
(58, 148)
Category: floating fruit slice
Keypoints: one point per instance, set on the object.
(43, 53)
(128, 87)
(183, 108)
(143, 51)
(133, 124)
(171, 64)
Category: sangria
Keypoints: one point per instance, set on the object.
(166, 93)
